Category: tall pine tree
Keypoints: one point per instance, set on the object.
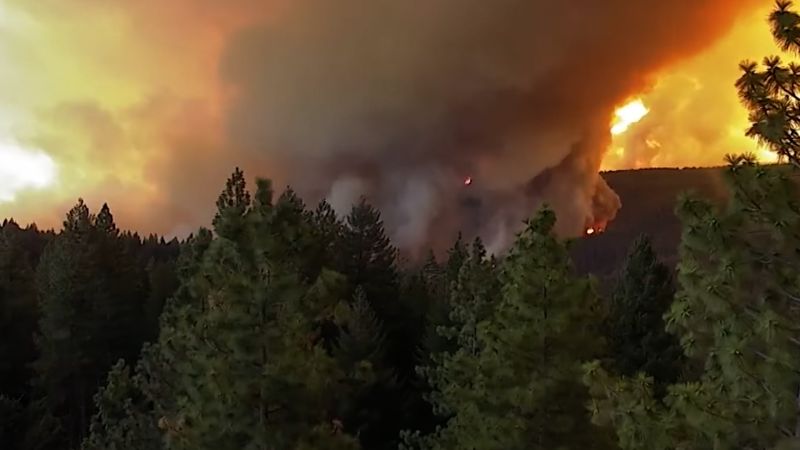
(514, 382)
(91, 300)
(638, 341)
(237, 364)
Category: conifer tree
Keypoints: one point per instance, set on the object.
(237, 364)
(736, 314)
(66, 368)
(28, 427)
(443, 287)
(291, 227)
(368, 258)
(232, 205)
(118, 290)
(361, 351)
(514, 383)
(456, 256)
(327, 231)
(473, 297)
(17, 313)
(122, 421)
(772, 93)
(91, 299)
(638, 341)
(437, 313)
(162, 282)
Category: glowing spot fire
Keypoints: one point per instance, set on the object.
(590, 231)
(628, 115)
(22, 169)
(467, 181)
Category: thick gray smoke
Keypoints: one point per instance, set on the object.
(400, 101)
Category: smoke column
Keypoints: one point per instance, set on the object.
(399, 101)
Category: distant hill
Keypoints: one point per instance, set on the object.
(649, 198)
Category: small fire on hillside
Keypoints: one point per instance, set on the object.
(594, 229)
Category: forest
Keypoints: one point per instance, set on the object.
(286, 326)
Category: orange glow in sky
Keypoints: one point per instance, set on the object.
(103, 101)
(694, 117)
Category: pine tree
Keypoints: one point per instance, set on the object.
(28, 427)
(361, 351)
(327, 232)
(91, 297)
(122, 421)
(736, 313)
(238, 364)
(118, 290)
(368, 258)
(456, 256)
(66, 367)
(437, 312)
(514, 382)
(162, 282)
(232, 205)
(772, 93)
(17, 312)
(445, 292)
(643, 293)
(292, 234)
(473, 297)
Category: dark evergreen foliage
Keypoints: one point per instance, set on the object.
(638, 341)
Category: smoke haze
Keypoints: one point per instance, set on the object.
(396, 101)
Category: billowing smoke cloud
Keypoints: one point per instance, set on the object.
(398, 101)
(408, 98)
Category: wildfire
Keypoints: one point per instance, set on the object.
(595, 228)
(627, 115)
(467, 181)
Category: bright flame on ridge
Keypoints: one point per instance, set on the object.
(22, 169)
(627, 115)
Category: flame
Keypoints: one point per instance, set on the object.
(467, 181)
(627, 115)
(590, 231)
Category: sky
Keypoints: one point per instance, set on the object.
(149, 105)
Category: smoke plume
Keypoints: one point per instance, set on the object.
(397, 101)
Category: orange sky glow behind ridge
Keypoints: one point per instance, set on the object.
(118, 100)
